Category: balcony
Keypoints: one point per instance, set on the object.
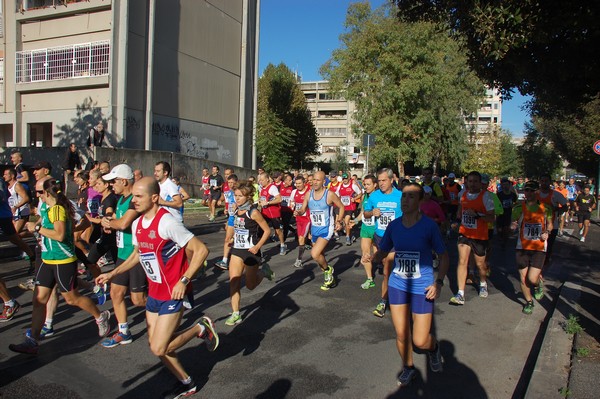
(27, 5)
(83, 60)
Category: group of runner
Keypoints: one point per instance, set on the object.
(402, 225)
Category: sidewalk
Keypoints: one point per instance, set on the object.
(569, 365)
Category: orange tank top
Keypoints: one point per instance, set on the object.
(533, 224)
(471, 226)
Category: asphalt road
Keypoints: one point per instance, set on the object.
(296, 341)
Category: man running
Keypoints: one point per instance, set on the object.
(475, 211)
(302, 219)
(170, 197)
(270, 203)
(384, 204)
(162, 245)
(585, 203)
(320, 202)
(216, 185)
(349, 192)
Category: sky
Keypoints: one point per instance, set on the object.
(303, 33)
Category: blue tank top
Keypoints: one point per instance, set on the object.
(321, 214)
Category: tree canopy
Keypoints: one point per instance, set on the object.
(411, 85)
(285, 134)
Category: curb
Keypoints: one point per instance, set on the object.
(553, 365)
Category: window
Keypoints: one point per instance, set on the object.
(310, 96)
(330, 96)
(332, 131)
(332, 114)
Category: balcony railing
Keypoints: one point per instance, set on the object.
(26, 5)
(65, 62)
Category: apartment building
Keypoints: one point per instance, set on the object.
(332, 117)
(170, 75)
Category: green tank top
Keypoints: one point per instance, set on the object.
(57, 252)
(368, 224)
(124, 243)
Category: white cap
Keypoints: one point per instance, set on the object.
(451, 176)
(121, 171)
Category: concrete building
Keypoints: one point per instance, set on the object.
(487, 119)
(169, 75)
(332, 117)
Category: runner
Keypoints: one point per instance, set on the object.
(562, 209)
(572, 191)
(232, 182)
(412, 286)
(302, 219)
(18, 200)
(367, 230)
(59, 265)
(251, 233)
(508, 198)
(287, 213)
(205, 187)
(270, 201)
(216, 185)
(534, 221)
(162, 245)
(320, 202)
(384, 204)
(170, 197)
(121, 177)
(436, 188)
(553, 200)
(349, 192)
(475, 211)
(585, 203)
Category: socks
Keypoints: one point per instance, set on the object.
(124, 328)
(225, 260)
(300, 251)
(187, 381)
(461, 293)
(48, 324)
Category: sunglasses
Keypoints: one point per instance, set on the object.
(39, 191)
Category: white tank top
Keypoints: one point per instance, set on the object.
(14, 199)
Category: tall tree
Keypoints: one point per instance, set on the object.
(285, 134)
(537, 154)
(411, 85)
(494, 154)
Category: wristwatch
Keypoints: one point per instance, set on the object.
(439, 281)
(185, 280)
(37, 228)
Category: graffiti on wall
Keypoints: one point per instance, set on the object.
(182, 141)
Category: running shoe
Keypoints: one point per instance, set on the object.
(483, 291)
(348, 241)
(582, 239)
(436, 361)
(222, 265)
(328, 279)
(336, 236)
(560, 233)
(9, 312)
(379, 310)
(117, 339)
(27, 285)
(180, 391)
(268, 273)
(104, 323)
(368, 284)
(102, 261)
(100, 294)
(528, 308)
(298, 263)
(234, 319)
(457, 299)
(353, 238)
(307, 247)
(45, 332)
(406, 376)
(538, 292)
(29, 347)
(283, 249)
(209, 335)
(211, 218)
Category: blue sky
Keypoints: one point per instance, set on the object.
(303, 33)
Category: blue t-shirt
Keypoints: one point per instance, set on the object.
(413, 260)
(388, 204)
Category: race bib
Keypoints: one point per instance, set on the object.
(241, 239)
(521, 196)
(369, 221)
(507, 203)
(317, 218)
(407, 265)
(93, 206)
(346, 200)
(119, 236)
(532, 231)
(263, 199)
(213, 182)
(151, 267)
(11, 202)
(469, 221)
(285, 201)
(298, 207)
(386, 218)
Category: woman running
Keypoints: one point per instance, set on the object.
(367, 229)
(251, 231)
(59, 264)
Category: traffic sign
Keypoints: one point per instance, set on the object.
(597, 147)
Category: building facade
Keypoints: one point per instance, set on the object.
(332, 117)
(170, 75)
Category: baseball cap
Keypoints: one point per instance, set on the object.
(344, 175)
(451, 176)
(427, 189)
(121, 171)
(42, 164)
